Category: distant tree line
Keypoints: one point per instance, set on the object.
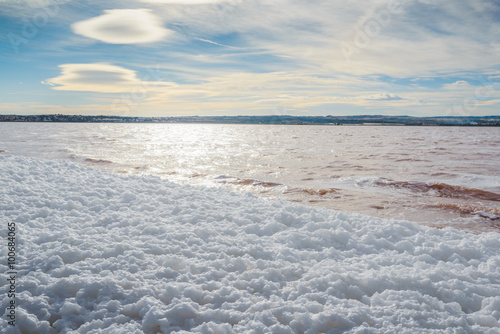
(270, 119)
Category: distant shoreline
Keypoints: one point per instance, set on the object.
(367, 120)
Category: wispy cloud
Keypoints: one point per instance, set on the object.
(381, 97)
(421, 38)
(459, 84)
(47, 83)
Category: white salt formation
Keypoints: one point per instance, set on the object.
(103, 253)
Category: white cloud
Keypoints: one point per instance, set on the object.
(386, 99)
(123, 26)
(47, 83)
(101, 78)
(460, 84)
(381, 97)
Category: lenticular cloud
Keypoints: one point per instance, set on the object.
(123, 26)
(96, 77)
(103, 253)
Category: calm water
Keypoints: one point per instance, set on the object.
(438, 176)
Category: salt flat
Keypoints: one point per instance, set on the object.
(104, 253)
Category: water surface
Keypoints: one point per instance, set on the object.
(438, 176)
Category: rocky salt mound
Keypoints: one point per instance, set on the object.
(103, 253)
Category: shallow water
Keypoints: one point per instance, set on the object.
(438, 176)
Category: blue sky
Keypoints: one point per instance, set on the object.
(250, 57)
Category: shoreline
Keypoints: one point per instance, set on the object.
(281, 119)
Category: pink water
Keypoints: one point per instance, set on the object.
(437, 176)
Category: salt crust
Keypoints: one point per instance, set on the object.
(104, 253)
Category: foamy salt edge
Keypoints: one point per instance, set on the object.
(104, 253)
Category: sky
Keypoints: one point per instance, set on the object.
(250, 57)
